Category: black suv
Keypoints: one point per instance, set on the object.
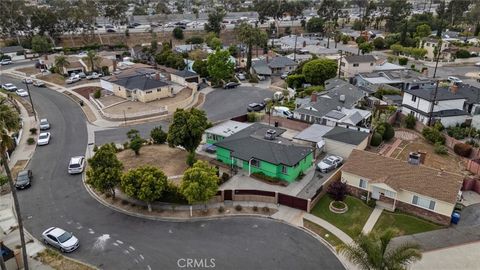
(24, 179)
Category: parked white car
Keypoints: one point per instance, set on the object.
(76, 165)
(453, 79)
(27, 81)
(282, 111)
(93, 76)
(38, 83)
(329, 163)
(9, 87)
(22, 92)
(72, 80)
(44, 124)
(5, 62)
(59, 238)
(43, 138)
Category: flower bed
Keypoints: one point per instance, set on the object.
(338, 207)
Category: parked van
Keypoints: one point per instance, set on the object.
(281, 111)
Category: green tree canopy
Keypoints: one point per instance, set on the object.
(423, 30)
(105, 170)
(219, 66)
(315, 25)
(199, 183)
(250, 36)
(366, 47)
(201, 68)
(177, 33)
(144, 183)
(158, 135)
(187, 129)
(215, 19)
(40, 44)
(318, 71)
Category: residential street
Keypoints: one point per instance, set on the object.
(111, 240)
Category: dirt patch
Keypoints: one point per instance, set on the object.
(29, 70)
(86, 91)
(59, 262)
(20, 165)
(200, 100)
(170, 160)
(53, 78)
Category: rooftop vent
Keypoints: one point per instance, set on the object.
(342, 98)
(414, 158)
(270, 134)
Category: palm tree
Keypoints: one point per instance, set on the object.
(251, 36)
(93, 59)
(371, 252)
(329, 28)
(9, 122)
(61, 62)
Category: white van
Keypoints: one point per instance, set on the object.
(281, 111)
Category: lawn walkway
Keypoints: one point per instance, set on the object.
(330, 227)
(372, 220)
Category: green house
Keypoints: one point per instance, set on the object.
(260, 149)
(223, 130)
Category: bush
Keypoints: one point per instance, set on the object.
(438, 126)
(221, 209)
(265, 209)
(473, 143)
(337, 191)
(125, 145)
(224, 178)
(255, 208)
(402, 61)
(376, 139)
(295, 80)
(136, 144)
(30, 141)
(462, 54)
(310, 90)
(178, 33)
(433, 135)
(33, 131)
(191, 159)
(440, 149)
(372, 203)
(252, 117)
(97, 94)
(462, 149)
(158, 135)
(238, 207)
(410, 121)
(95, 148)
(389, 132)
(261, 175)
(379, 43)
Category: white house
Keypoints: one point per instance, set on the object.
(430, 44)
(355, 64)
(447, 106)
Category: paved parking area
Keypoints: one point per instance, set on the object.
(470, 215)
(222, 104)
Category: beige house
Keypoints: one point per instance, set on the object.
(396, 184)
(342, 141)
(430, 44)
(143, 87)
(355, 64)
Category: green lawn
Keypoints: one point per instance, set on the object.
(404, 223)
(350, 222)
(322, 232)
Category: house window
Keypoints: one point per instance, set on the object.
(414, 98)
(390, 194)
(284, 169)
(148, 92)
(355, 65)
(343, 64)
(255, 163)
(424, 203)
(363, 184)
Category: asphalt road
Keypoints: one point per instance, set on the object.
(119, 135)
(111, 240)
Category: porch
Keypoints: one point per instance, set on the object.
(385, 196)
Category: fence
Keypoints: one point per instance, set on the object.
(471, 183)
(266, 197)
(129, 116)
(337, 176)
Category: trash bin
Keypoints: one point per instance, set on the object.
(276, 123)
(81, 102)
(455, 217)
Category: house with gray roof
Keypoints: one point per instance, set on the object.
(342, 141)
(274, 66)
(139, 87)
(260, 150)
(13, 51)
(183, 77)
(352, 65)
(401, 79)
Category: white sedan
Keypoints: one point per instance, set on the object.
(59, 238)
(22, 92)
(9, 87)
(477, 64)
(43, 138)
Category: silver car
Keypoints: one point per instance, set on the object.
(44, 124)
(43, 138)
(329, 163)
(59, 238)
(76, 165)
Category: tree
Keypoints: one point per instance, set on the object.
(158, 135)
(114, 10)
(194, 40)
(215, 19)
(215, 43)
(329, 10)
(315, 25)
(371, 252)
(399, 12)
(187, 129)
(199, 183)
(250, 36)
(144, 183)
(10, 122)
(379, 43)
(423, 30)
(366, 47)
(136, 142)
(177, 33)
(40, 44)
(13, 18)
(93, 59)
(219, 66)
(61, 62)
(318, 71)
(410, 121)
(201, 68)
(105, 170)
(337, 191)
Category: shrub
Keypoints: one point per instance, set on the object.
(337, 190)
(438, 126)
(158, 135)
(97, 94)
(462, 149)
(410, 121)
(295, 80)
(33, 131)
(265, 209)
(95, 148)
(224, 178)
(462, 54)
(389, 132)
(136, 144)
(473, 143)
(221, 209)
(440, 149)
(255, 208)
(30, 141)
(379, 43)
(402, 61)
(376, 139)
(433, 135)
(177, 33)
(310, 90)
(251, 117)
(125, 145)
(238, 207)
(263, 176)
(372, 203)
(191, 159)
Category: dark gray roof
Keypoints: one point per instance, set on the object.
(346, 135)
(141, 82)
(334, 114)
(360, 58)
(444, 113)
(471, 93)
(11, 49)
(429, 94)
(250, 143)
(261, 67)
(394, 98)
(281, 62)
(186, 74)
(332, 83)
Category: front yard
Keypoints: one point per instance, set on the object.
(350, 222)
(405, 224)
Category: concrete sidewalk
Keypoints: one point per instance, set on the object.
(463, 257)
(372, 219)
(330, 227)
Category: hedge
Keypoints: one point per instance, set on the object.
(376, 139)
(462, 149)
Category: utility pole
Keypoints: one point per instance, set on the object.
(439, 50)
(433, 103)
(31, 102)
(340, 63)
(295, 49)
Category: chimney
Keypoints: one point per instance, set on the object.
(342, 98)
(157, 76)
(423, 156)
(313, 97)
(114, 65)
(454, 88)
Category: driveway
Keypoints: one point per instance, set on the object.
(470, 216)
(222, 104)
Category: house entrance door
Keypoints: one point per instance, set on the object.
(239, 163)
(375, 194)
